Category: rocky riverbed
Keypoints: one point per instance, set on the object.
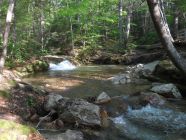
(107, 106)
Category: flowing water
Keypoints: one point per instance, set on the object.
(147, 123)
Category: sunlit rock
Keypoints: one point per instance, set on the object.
(135, 74)
(103, 98)
(167, 90)
(121, 79)
(81, 112)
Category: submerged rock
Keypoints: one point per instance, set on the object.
(167, 90)
(68, 135)
(81, 112)
(122, 79)
(103, 98)
(73, 135)
(139, 100)
(152, 98)
(116, 106)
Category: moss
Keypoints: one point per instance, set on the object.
(12, 130)
(34, 67)
(5, 94)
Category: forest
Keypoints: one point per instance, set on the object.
(92, 70)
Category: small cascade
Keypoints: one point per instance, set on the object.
(150, 123)
(64, 65)
(166, 119)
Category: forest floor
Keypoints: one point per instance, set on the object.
(13, 110)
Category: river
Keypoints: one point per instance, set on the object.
(147, 123)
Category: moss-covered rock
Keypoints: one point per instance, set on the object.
(36, 66)
(39, 66)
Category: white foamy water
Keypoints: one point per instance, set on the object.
(64, 65)
(161, 118)
(132, 131)
(150, 123)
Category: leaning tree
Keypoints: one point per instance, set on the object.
(164, 34)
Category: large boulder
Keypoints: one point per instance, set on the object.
(150, 67)
(143, 69)
(167, 90)
(135, 74)
(51, 101)
(80, 112)
(40, 66)
(36, 66)
(103, 98)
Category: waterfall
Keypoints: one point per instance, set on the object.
(64, 65)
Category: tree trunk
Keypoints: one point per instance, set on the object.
(120, 23)
(176, 21)
(1, 29)
(9, 17)
(42, 24)
(71, 33)
(161, 29)
(128, 24)
(164, 19)
(14, 34)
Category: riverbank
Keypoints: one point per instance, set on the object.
(12, 110)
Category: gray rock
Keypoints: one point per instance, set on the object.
(121, 79)
(73, 135)
(139, 100)
(80, 112)
(68, 135)
(52, 101)
(152, 98)
(167, 90)
(103, 98)
(151, 66)
(134, 73)
(116, 106)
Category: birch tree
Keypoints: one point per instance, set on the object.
(9, 17)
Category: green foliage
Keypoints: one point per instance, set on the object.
(10, 130)
(30, 101)
(82, 24)
(181, 4)
(5, 94)
(149, 38)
